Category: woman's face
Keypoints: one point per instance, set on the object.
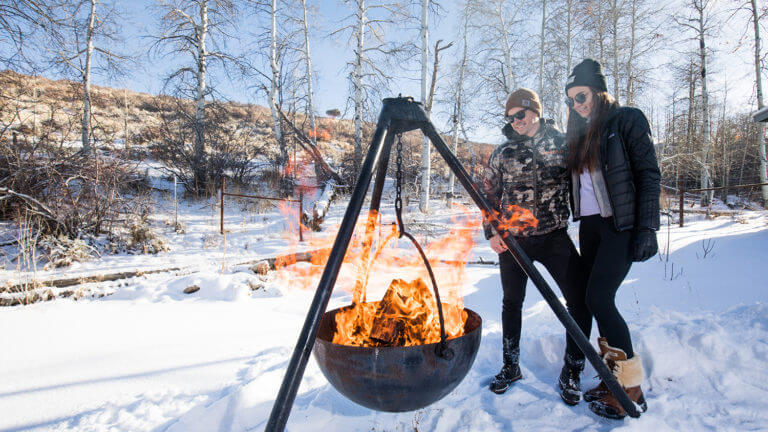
(583, 94)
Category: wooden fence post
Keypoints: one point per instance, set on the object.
(301, 212)
(682, 205)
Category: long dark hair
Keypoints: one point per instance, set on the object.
(583, 138)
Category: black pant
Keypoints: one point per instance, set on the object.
(607, 255)
(557, 253)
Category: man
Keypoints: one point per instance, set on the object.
(529, 171)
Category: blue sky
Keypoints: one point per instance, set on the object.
(329, 56)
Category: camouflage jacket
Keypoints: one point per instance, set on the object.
(530, 172)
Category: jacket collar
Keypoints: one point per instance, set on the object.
(509, 131)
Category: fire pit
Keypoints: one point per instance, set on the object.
(399, 378)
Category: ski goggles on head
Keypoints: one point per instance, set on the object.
(580, 98)
(518, 115)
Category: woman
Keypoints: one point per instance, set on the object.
(529, 171)
(615, 184)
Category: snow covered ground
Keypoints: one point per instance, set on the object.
(148, 357)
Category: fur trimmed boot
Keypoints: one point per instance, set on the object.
(601, 390)
(629, 374)
(570, 380)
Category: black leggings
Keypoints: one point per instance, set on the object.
(557, 253)
(607, 255)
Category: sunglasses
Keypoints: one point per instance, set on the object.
(580, 98)
(518, 115)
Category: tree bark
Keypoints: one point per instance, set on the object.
(426, 167)
(358, 84)
(759, 83)
(202, 54)
(86, 123)
(274, 84)
(705, 172)
(308, 60)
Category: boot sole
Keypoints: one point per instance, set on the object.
(600, 410)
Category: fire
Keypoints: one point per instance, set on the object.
(407, 313)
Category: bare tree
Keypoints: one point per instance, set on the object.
(20, 22)
(501, 51)
(375, 57)
(699, 21)
(755, 16)
(82, 41)
(197, 30)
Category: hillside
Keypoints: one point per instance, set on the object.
(35, 107)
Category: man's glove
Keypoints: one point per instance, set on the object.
(645, 245)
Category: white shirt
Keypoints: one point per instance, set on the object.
(589, 204)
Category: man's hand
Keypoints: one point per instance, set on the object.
(497, 244)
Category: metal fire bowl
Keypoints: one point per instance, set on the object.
(395, 379)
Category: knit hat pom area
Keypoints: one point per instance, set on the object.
(587, 73)
(524, 98)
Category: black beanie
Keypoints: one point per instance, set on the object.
(587, 73)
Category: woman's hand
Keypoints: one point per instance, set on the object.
(497, 244)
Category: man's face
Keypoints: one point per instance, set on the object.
(527, 125)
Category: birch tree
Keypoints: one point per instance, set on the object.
(196, 31)
(308, 63)
(458, 102)
(375, 58)
(755, 17)
(82, 41)
(699, 21)
(501, 51)
(20, 22)
(426, 171)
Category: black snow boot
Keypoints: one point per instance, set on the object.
(570, 380)
(510, 372)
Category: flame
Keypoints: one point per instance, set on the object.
(407, 313)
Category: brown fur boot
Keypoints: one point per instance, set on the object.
(629, 374)
(601, 390)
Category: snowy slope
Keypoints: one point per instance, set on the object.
(149, 357)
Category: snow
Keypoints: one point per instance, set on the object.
(148, 357)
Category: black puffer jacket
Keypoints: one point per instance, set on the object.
(531, 173)
(628, 164)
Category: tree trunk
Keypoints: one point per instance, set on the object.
(86, 123)
(308, 59)
(426, 170)
(615, 46)
(274, 84)
(202, 53)
(541, 47)
(706, 182)
(759, 83)
(358, 85)
(509, 79)
(630, 91)
(457, 104)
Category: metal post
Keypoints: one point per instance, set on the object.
(527, 265)
(221, 193)
(285, 397)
